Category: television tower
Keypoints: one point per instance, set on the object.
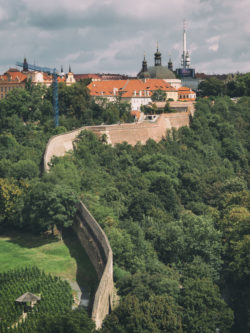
(185, 58)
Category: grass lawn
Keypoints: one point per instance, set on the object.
(49, 254)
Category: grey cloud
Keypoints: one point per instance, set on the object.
(115, 40)
(103, 16)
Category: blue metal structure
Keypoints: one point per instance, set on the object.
(54, 73)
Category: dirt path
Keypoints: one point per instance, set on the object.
(22, 318)
(81, 297)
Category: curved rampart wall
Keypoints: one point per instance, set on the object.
(96, 244)
(59, 144)
(131, 133)
(90, 234)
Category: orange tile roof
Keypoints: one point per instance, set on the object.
(185, 89)
(61, 79)
(105, 88)
(13, 76)
(128, 87)
(136, 114)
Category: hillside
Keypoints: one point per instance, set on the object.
(175, 212)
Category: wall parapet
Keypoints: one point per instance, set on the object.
(96, 244)
(132, 133)
(91, 236)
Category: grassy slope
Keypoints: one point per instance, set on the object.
(51, 255)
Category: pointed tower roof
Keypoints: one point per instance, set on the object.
(157, 56)
(25, 65)
(170, 64)
(143, 74)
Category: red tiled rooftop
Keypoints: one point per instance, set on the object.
(13, 75)
(128, 87)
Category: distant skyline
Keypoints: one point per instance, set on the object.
(96, 36)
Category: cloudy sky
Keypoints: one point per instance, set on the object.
(112, 35)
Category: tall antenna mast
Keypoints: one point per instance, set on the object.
(185, 58)
(184, 37)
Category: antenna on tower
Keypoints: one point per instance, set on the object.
(185, 58)
(184, 24)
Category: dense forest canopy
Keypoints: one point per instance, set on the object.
(176, 212)
(236, 86)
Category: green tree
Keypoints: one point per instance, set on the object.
(162, 186)
(210, 87)
(76, 321)
(167, 108)
(24, 103)
(25, 169)
(50, 205)
(12, 199)
(239, 86)
(158, 96)
(146, 284)
(159, 314)
(204, 309)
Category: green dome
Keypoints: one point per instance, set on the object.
(143, 75)
(160, 72)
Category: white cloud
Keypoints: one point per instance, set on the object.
(213, 43)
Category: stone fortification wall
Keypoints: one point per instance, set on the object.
(96, 244)
(178, 119)
(183, 106)
(59, 144)
(131, 133)
(90, 234)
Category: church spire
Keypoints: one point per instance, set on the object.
(144, 64)
(25, 65)
(170, 64)
(157, 56)
(144, 74)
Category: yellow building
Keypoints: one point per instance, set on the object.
(14, 78)
(11, 79)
